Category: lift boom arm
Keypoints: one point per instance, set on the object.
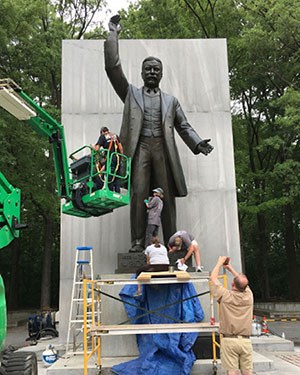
(85, 197)
(21, 106)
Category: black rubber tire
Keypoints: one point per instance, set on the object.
(48, 332)
(20, 363)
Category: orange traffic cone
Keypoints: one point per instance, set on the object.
(264, 325)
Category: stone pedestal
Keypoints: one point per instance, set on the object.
(130, 262)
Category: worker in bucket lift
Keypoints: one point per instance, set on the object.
(182, 240)
(236, 310)
(111, 142)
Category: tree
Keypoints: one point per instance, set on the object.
(262, 77)
(31, 33)
(263, 49)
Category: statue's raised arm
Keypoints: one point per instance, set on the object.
(112, 60)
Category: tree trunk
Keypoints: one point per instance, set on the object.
(13, 296)
(46, 265)
(289, 240)
(240, 223)
(263, 256)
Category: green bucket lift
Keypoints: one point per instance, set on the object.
(75, 182)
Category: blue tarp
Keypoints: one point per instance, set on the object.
(163, 353)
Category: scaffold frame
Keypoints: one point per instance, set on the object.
(94, 330)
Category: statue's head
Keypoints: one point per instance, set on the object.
(152, 72)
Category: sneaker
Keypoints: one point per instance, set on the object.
(199, 269)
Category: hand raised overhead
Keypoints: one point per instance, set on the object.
(113, 24)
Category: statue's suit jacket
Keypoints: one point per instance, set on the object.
(133, 114)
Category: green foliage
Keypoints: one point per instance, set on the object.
(264, 82)
(31, 34)
(263, 50)
(169, 19)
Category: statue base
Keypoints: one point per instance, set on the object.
(130, 262)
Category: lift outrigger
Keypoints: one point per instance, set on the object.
(10, 203)
(75, 182)
(13, 362)
(9, 229)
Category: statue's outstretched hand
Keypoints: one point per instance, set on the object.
(113, 24)
(204, 147)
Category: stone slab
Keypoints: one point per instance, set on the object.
(278, 309)
(130, 262)
(284, 363)
(271, 343)
(279, 362)
(196, 72)
(289, 329)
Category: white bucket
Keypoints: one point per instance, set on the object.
(49, 355)
(255, 329)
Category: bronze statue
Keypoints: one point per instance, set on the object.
(147, 136)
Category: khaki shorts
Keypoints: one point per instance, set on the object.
(236, 353)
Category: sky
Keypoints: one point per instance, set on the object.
(114, 6)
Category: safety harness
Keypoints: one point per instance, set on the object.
(116, 146)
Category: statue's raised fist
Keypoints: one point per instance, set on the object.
(115, 19)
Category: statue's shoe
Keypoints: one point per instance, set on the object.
(136, 249)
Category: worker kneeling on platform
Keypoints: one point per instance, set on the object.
(182, 240)
(236, 310)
